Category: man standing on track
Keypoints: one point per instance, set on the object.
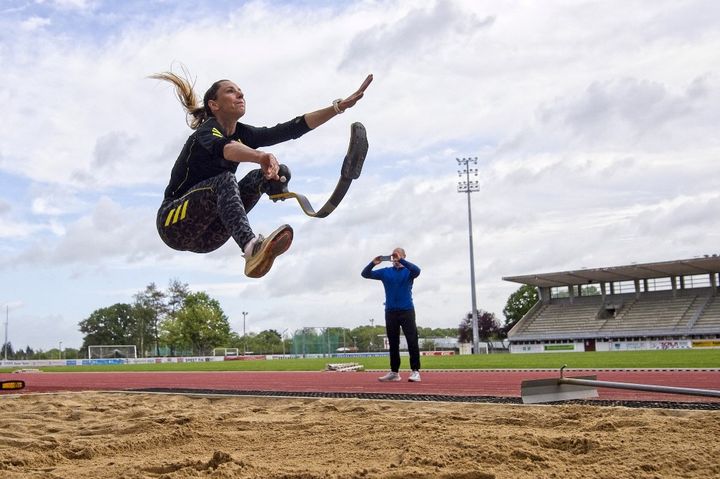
(399, 310)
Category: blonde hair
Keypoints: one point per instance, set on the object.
(195, 111)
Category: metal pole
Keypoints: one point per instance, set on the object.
(476, 333)
(244, 313)
(640, 387)
(7, 319)
(469, 187)
(372, 334)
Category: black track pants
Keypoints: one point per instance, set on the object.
(394, 321)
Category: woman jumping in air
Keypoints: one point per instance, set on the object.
(204, 203)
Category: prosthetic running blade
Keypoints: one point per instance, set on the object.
(351, 169)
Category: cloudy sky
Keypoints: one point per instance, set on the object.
(595, 126)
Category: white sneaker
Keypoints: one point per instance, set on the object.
(414, 377)
(261, 252)
(391, 376)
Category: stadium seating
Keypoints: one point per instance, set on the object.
(679, 313)
(709, 317)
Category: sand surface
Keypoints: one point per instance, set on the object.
(118, 435)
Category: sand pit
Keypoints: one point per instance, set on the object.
(118, 435)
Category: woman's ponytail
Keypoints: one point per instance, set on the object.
(196, 112)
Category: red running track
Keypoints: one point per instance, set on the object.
(500, 383)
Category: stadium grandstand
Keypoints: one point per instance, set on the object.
(665, 305)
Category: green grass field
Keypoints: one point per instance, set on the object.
(709, 358)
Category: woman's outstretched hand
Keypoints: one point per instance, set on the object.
(350, 101)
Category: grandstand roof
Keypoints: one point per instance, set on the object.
(681, 267)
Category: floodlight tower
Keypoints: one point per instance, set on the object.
(468, 186)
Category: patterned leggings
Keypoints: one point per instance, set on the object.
(210, 213)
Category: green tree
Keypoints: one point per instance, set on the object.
(169, 332)
(116, 324)
(367, 338)
(176, 294)
(488, 327)
(201, 324)
(266, 342)
(150, 307)
(144, 320)
(70, 353)
(170, 336)
(518, 304)
(7, 351)
(40, 354)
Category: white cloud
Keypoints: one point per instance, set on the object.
(35, 23)
(49, 200)
(17, 229)
(72, 4)
(420, 34)
(631, 113)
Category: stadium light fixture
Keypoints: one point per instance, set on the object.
(470, 186)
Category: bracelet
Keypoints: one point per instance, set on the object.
(336, 106)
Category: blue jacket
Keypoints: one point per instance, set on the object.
(398, 283)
